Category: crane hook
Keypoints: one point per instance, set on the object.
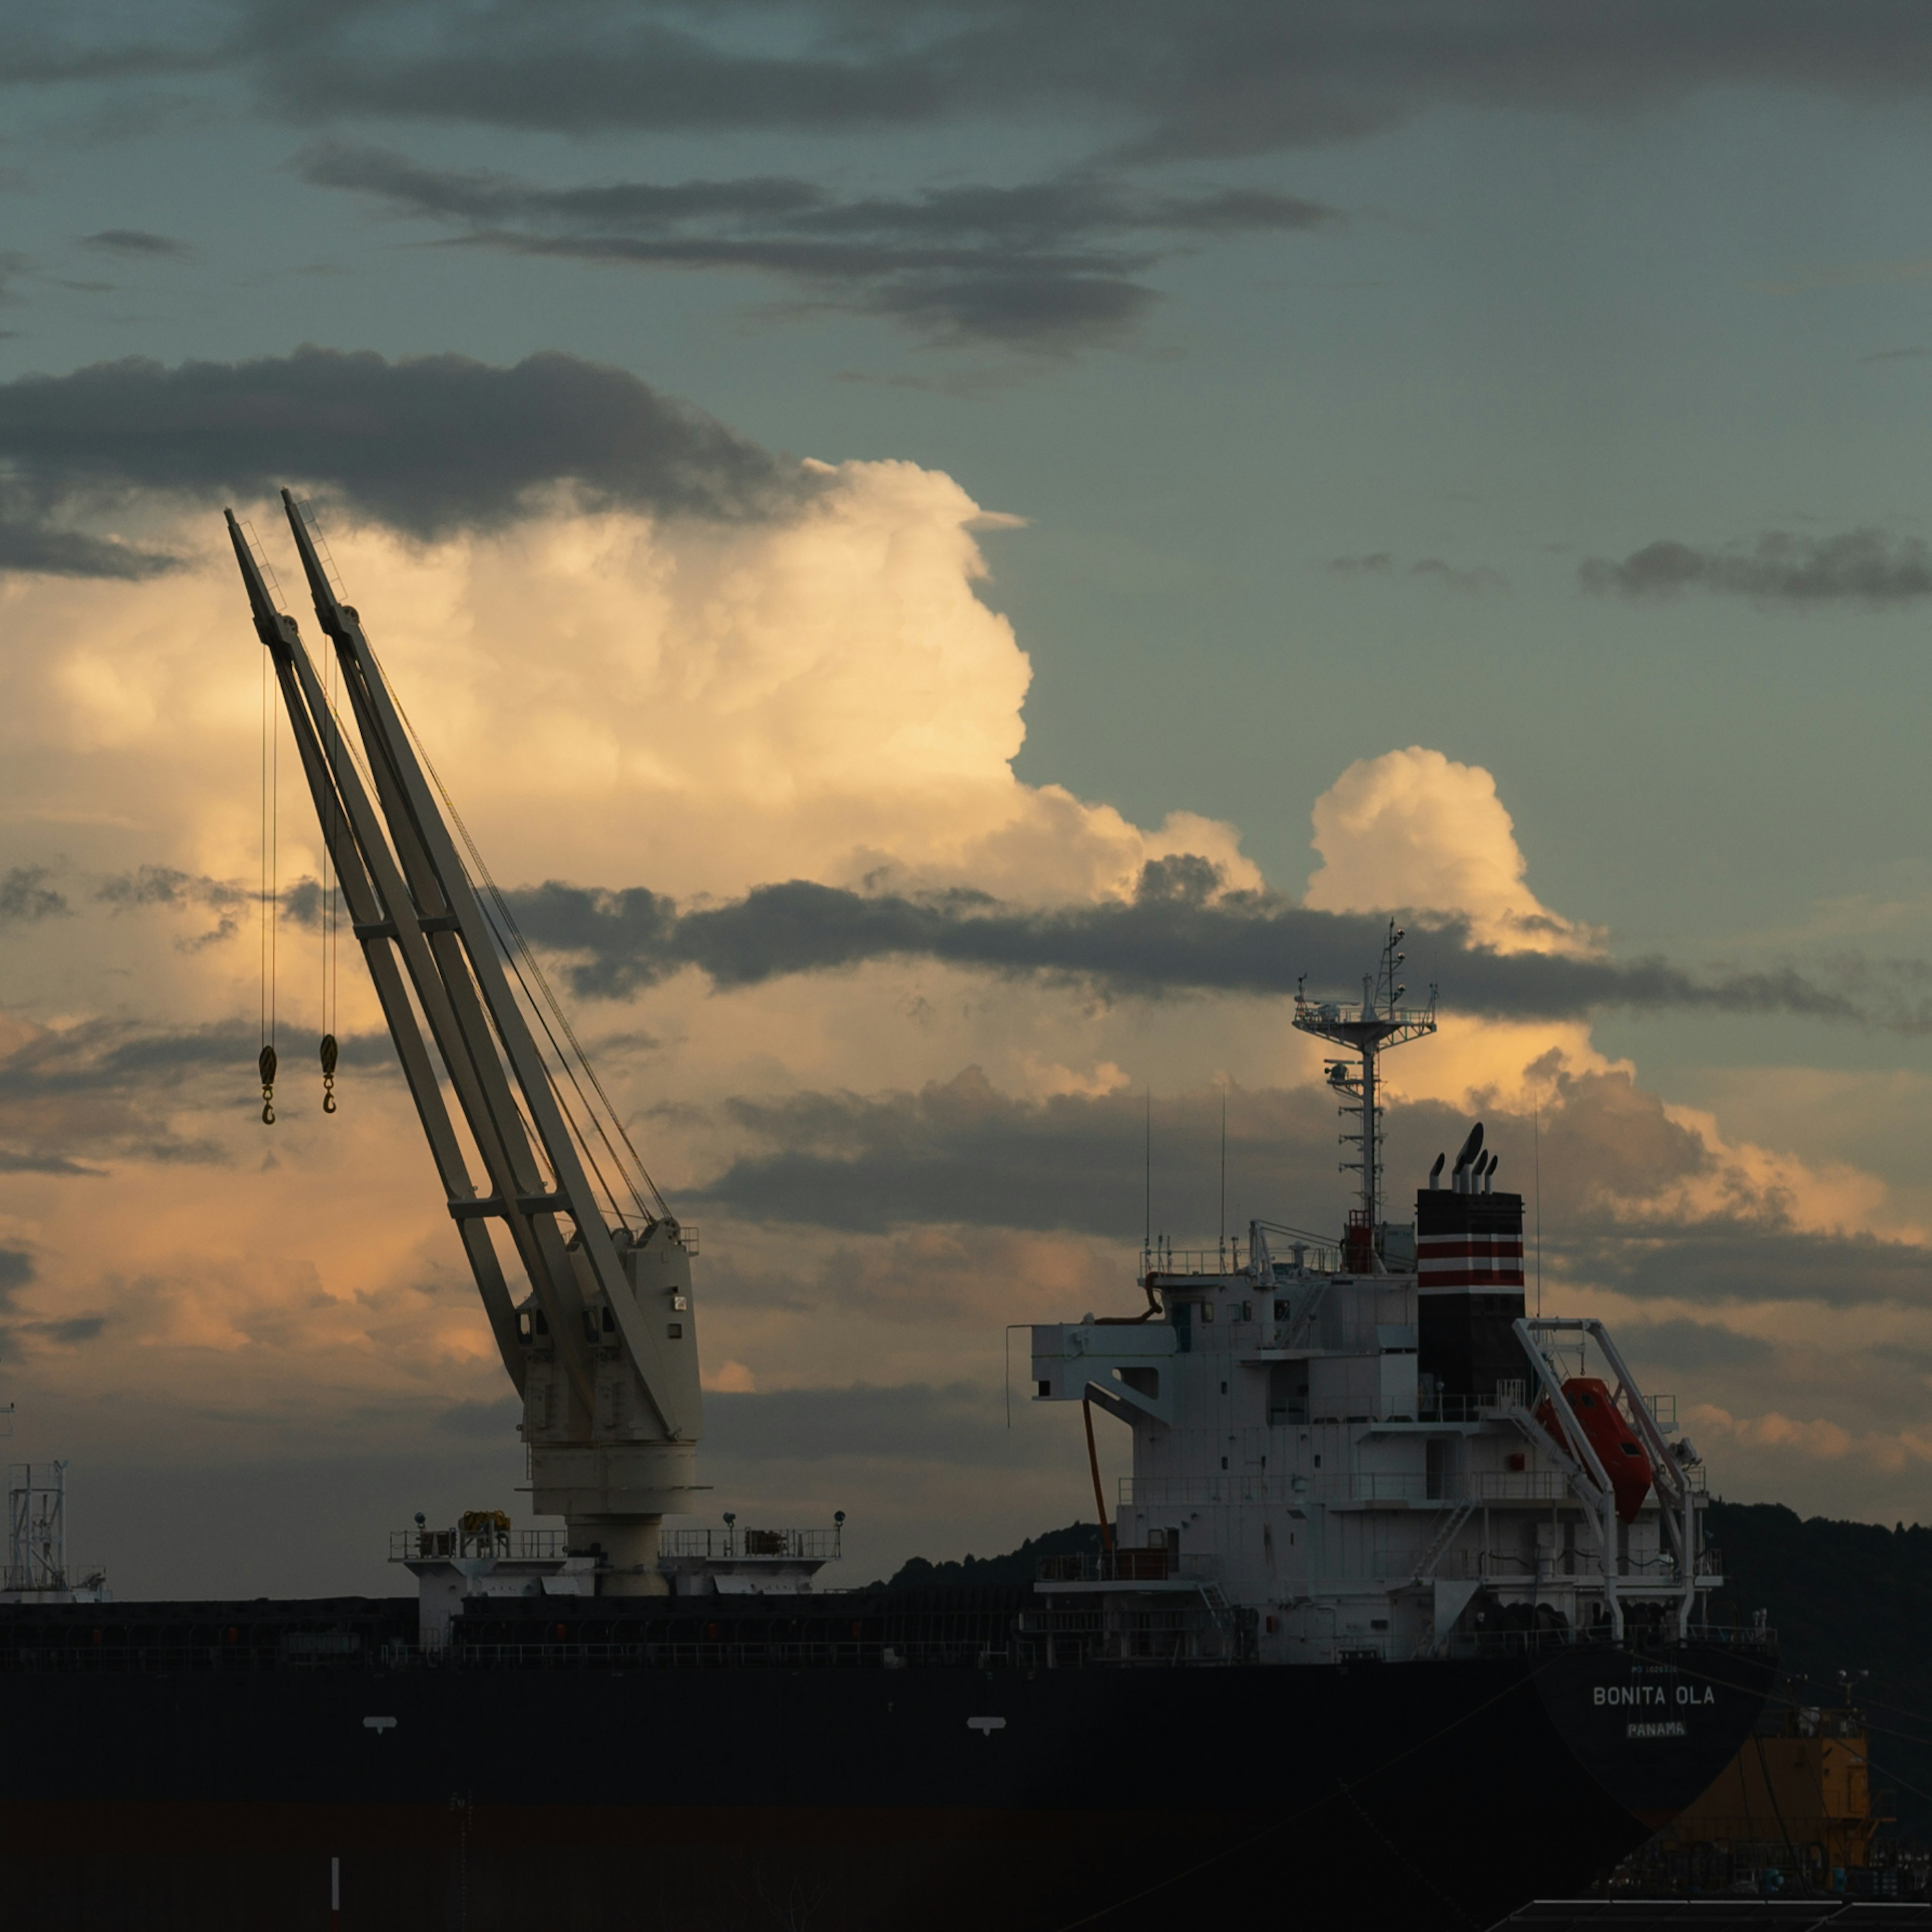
(328, 1073)
(267, 1065)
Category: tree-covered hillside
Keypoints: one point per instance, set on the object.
(1017, 1566)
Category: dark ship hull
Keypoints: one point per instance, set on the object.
(730, 1764)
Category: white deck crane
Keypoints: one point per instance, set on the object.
(603, 1349)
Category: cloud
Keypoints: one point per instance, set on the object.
(1475, 580)
(76, 1097)
(429, 445)
(1747, 1259)
(1913, 354)
(1160, 78)
(822, 695)
(1694, 1346)
(1478, 580)
(1816, 1439)
(960, 1151)
(618, 941)
(136, 241)
(1026, 266)
(1416, 828)
(26, 896)
(1639, 1201)
(801, 731)
(955, 1423)
(31, 545)
(1861, 567)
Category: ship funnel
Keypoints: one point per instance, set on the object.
(1435, 1172)
(1472, 1147)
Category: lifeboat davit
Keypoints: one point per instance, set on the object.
(1621, 1454)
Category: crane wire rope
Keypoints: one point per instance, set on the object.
(511, 953)
(271, 752)
(347, 742)
(520, 958)
(331, 918)
(610, 1193)
(326, 557)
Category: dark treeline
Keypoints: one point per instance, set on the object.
(1850, 1597)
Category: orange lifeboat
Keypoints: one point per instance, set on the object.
(1611, 1435)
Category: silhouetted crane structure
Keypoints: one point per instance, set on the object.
(603, 1348)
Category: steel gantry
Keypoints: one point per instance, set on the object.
(604, 1349)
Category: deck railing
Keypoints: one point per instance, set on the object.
(1421, 1490)
(735, 1544)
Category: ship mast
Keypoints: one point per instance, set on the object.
(611, 1405)
(1383, 1021)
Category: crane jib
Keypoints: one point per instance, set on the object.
(603, 1347)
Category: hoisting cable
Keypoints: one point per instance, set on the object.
(517, 946)
(270, 748)
(330, 922)
(536, 1138)
(518, 955)
(570, 1119)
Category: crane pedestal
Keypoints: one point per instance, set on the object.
(613, 1499)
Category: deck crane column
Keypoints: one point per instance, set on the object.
(603, 1349)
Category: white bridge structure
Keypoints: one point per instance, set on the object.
(1373, 1452)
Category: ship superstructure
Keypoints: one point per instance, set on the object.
(1373, 1450)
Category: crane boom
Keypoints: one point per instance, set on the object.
(604, 1350)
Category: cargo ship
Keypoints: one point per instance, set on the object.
(1406, 1602)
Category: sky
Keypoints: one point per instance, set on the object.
(949, 554)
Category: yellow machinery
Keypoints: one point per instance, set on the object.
(1797, 1797)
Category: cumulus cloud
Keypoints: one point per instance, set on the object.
(429, 445)
(779, 751)
(1414, 828)
(1860, 567)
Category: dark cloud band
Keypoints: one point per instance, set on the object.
(1863, 566)
(1172, 937)
(1045, 264)
(429, 445)
(1161, 77)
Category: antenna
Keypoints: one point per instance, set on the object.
(1221, 1226)
(1536, 1145)
(1147, 1230)
(1383, 1022)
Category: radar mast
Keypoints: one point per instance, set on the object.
(1382, 1021)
